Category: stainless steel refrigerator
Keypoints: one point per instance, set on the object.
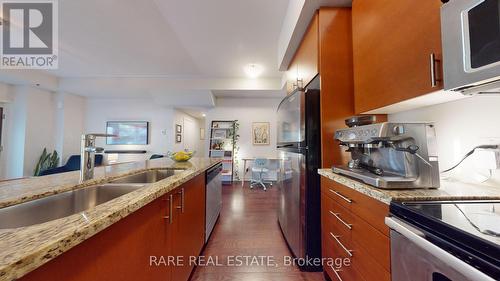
(299, 152)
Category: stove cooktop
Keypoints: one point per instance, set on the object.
(469, 230)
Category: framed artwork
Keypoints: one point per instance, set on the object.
(202, 133)
(178, 129)
(178, 138)
(219, 134)
(128, 132)
(260, 133)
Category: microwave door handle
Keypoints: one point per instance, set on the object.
(433, 62)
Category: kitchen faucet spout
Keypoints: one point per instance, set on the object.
(88, 151)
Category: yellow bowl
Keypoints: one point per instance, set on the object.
(181, 156)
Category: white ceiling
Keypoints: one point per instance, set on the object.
(180, 38)
(173, 49)
(118, 37)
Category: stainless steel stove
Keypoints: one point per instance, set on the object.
(445, 240)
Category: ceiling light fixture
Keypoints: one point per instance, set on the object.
(253, 70)
(203, 114)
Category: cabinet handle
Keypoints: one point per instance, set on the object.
(433, 62)
(336, 272)
(349, 252)
(337, 215)
(170, 200)
(182, 200)
(341, 196)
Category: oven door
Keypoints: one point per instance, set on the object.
(471, 42)
(414, 258)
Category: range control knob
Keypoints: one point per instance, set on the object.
(398, 130)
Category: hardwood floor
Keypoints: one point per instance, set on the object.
(248, 226)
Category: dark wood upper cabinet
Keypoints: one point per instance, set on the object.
(304, 65)
(336, 78)
(393, 41)
(326, 49)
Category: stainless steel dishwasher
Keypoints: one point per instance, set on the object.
(213, 198)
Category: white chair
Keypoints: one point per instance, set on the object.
(258, 169)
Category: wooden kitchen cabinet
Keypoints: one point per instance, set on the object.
(393, 41)
(336, 75)
(304, 65)
(326, 49)
(352, 226)
(123, 250)
(189, 225)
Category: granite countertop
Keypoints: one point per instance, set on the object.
(26, 248)
(449, 190)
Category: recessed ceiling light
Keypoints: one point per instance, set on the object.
(253, 70)
(203, 114)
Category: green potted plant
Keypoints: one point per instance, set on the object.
(46, 161)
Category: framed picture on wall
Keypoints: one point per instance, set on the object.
(219, 134)
(202, 133)
(260, 133)
(178, 129)
(178, 138)
(127, 132)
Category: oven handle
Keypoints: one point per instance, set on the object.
(417, 237)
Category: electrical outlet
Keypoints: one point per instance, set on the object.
(487, 158)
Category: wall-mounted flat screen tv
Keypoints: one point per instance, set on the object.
(127, 132)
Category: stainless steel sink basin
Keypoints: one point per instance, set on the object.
(61, 205)
(148, 176)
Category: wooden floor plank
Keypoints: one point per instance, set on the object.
(248, 226)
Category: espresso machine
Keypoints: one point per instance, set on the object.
(390, 155)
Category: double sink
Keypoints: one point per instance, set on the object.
(76, 201)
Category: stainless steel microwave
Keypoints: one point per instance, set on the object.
(471, 45)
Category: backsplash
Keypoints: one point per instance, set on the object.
(460, 126)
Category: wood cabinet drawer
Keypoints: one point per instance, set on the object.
(343, 274)
(363, 262)
(340, 266)
(366, 265)
(351, 229)
(337, 192)
(372, 242)
(336, 218)
(367, 208)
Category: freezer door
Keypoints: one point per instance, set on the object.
(291, 116)
(291, 207)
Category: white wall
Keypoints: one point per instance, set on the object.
(70, 124)
(12, 165)
(162, 124)
(99, 111)
(37, 119)
(246, 111)
(190, 133)
(40, 127)
(460, 125)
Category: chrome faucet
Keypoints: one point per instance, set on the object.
(87, 152)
